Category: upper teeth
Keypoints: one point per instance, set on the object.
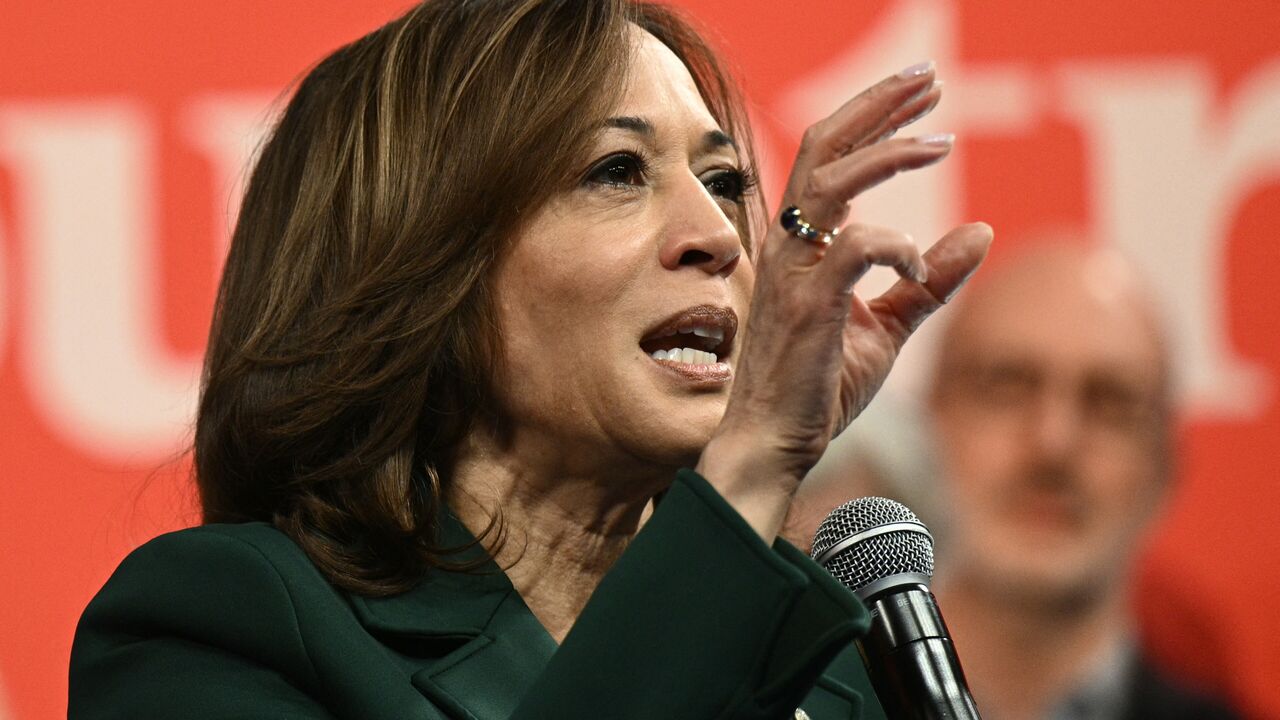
(715, 333)
(686, 355)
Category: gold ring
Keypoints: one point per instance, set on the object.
(794, 223)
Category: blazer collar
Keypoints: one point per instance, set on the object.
(476, 645)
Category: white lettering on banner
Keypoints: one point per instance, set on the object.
(1171, 169)
(94, 358)
(1168, 171)
(84, 194)
(228, 129)
(1166, 178)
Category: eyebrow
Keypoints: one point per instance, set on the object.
(712, 140)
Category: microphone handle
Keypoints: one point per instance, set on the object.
(911, 660)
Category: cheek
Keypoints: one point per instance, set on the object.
(1124, 477)
(562, 305)
(978, 452)
(547, 333)
(548, 296)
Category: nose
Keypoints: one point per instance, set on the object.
(1056, 426)
(698, 234)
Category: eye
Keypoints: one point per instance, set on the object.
(619, 169)
(730, 184)
(1118, 404)
(1003, 385)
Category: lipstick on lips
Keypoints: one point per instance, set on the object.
(694, 343)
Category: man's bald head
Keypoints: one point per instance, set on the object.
(1051, 404)
(1064, 288)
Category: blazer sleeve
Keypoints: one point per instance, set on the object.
(192, 625)
(700, 618)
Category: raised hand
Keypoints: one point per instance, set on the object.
(815, 353)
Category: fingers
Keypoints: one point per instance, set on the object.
(859, 247)
(853, 252)
(914, 109)
(951, 262)
(869, 115)
(825, 196)
(873, 114)
(844, 155)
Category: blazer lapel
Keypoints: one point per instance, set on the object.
(486, 678)
(471, 644)
(832, 699)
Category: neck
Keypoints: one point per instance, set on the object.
(1022, 655)
(562, 527)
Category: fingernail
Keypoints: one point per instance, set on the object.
(921, 274)
(947, 139)
(916, 70)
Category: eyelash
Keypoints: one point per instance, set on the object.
(743, 183)
(634, 163)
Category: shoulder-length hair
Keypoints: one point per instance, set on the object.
(353, 344)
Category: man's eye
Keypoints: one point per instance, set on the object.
(620, 169)
(1117, 404)
(1003, 386)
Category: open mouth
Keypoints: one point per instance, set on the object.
(700, 335)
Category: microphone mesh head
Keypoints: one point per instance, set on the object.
(876, 557)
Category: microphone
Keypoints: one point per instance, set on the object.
(883, 553)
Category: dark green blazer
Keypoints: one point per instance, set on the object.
(698, 619)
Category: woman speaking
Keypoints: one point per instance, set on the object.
(500, 273)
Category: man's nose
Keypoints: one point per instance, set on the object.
(1056, 425)
(698, 233)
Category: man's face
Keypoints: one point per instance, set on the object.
(1051, 418)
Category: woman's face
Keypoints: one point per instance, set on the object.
(640, 258)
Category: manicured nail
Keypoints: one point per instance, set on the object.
(947, 139)
(916, 70)
(921, 273)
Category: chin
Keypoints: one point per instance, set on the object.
(1065, 592)
(684, 448)
(656, 423)
(1046, 579)
(679, 434)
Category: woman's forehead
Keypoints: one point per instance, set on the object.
(661, 89)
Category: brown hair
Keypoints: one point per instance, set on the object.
(353, 341)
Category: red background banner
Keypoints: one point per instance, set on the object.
(125, 128)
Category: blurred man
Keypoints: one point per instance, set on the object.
(1051, 406)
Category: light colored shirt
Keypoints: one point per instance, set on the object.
(1104, 692)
